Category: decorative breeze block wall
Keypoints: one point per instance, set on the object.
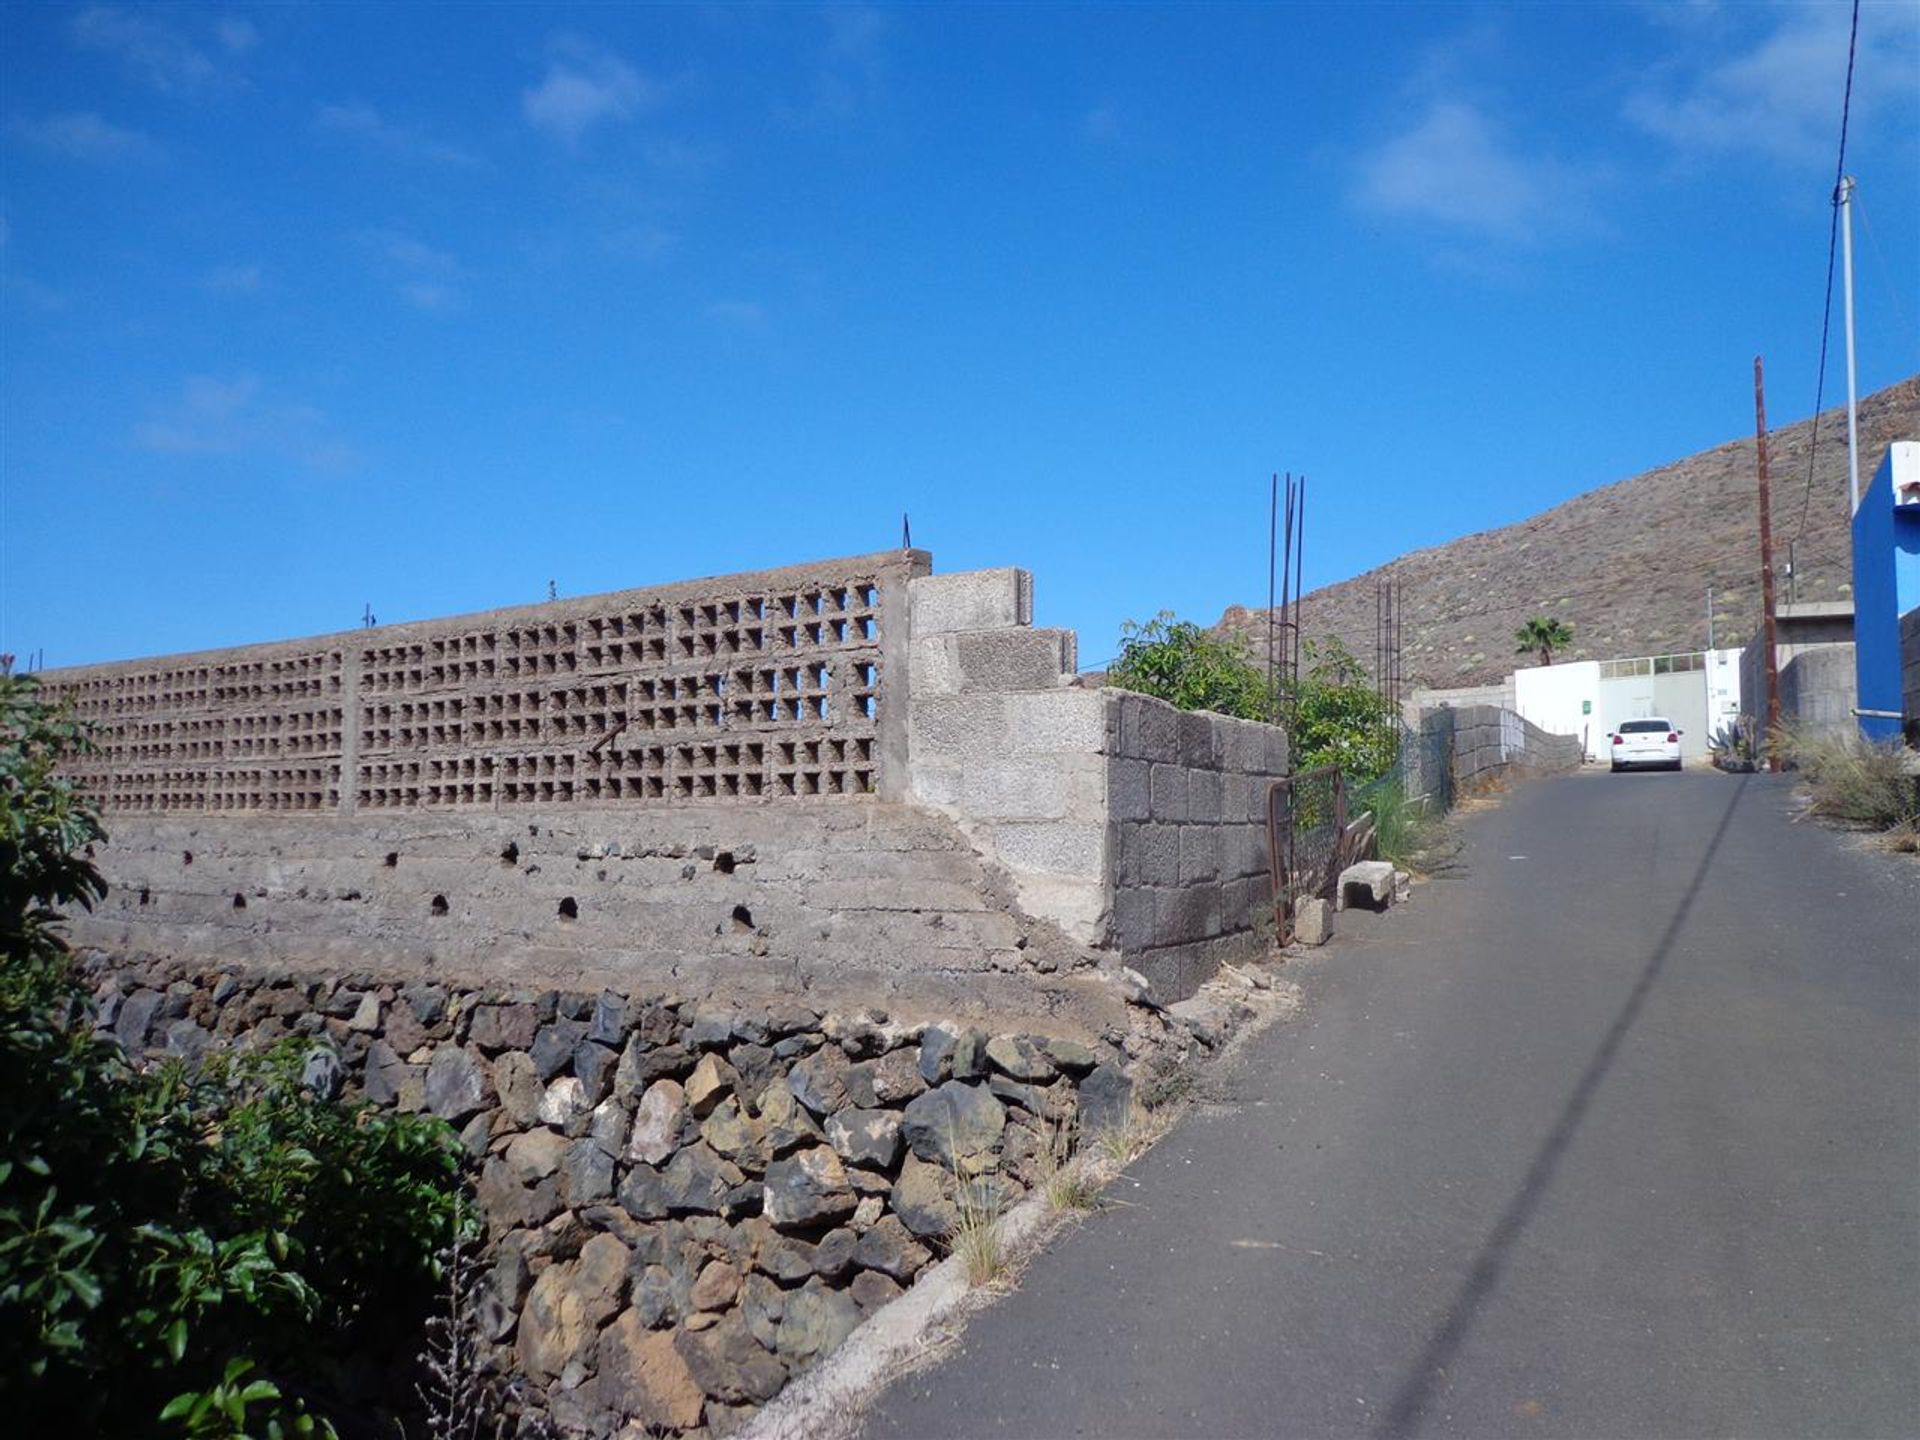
(769, 685)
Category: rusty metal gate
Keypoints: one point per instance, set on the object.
(1306, 839)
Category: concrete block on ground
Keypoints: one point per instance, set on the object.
(1313, 922)
(1370, 882)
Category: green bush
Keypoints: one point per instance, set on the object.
(182, 1252)
(1334, 716)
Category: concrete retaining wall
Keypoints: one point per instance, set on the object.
(1492, 744)
(1818, 690)
(1137, 828)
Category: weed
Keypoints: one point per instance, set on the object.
(1405, 832)
(1166, 1082)
(1067, 1185)
(1853, 779)
(975, 1234)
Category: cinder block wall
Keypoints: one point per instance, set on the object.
(1134, 826)
(1819, 688)
(1489, 743)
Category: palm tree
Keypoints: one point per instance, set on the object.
(1542, 634)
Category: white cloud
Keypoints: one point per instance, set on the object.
(1457, 169)
(150, 47)
(84, 135)
(426, 278)
(357, 120)
(234, 417)
(847, 67)
(1778, 91)
(584, 86)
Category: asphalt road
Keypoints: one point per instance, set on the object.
(1615, 1134)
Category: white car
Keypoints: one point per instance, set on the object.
(1652, 741)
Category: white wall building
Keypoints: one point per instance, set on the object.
(1699, 692)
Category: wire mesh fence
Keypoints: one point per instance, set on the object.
(1306, 828)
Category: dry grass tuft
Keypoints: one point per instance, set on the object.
(1853, 779)
(975, 1235)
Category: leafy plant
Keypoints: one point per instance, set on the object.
(1542, 635)
(192, 1242)
(1191, 667)
(1334, 717)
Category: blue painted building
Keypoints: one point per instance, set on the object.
(1886, 583)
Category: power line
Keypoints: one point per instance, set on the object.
(1833, 241)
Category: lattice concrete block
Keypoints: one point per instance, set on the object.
(971, 600)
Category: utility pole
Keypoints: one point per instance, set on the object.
(1766, 566)
(1844, 199)
(1709, 618)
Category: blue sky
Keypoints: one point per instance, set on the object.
(306, 307)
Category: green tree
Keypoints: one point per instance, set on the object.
(1542, 635)
(204, 1252)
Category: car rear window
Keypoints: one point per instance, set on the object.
(1643, 727)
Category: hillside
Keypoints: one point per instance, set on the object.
(1626, 566)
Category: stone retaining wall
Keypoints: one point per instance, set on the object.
(687, 1205)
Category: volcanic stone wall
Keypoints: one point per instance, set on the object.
(686, 1203)
(768, 685)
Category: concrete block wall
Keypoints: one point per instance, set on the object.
(1818, 690)
(1187, 836)
(1490, 743)
(1135, 827)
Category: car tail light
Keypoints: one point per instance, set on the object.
(1673, 737)
(1616, 740)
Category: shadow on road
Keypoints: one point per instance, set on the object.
(1403, 1417)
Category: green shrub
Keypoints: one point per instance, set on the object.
(1333, 715)
(206, 1252)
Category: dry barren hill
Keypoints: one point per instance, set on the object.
(1626, 566)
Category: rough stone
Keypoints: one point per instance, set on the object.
(698, 1180)
(957, 1125)
(1070, 1055)
(366, 1016)
(719, 1282)
(891, 1248)
(807, 1189)
(833, 1256)
(643, 1377)
(737, 1135)
(135, 1020)
(535, 1155)
(788, 1123)
(322, 1073)
(427, 1002)
(593, 1067)
(568, 1304)
(761, 1305)
(936, 1054)
(896, 1077)
(923, 1198)
(564, 1099)
(507, 1203)
(866, 1137)
(728, 1364)
(814, 1320)
(503, 1027)
(609, 1024)
(654, 1299)
(713, 1079)
(656, 1123)
(870, 1290)
(385, 1073)
(1021, 1057)
(819, 1082)
(586, 1174)
(552, 1049)
(457, 1084)
(1313, 922)
(1106, 1099)
(1030, 1098)
(518, 1085)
